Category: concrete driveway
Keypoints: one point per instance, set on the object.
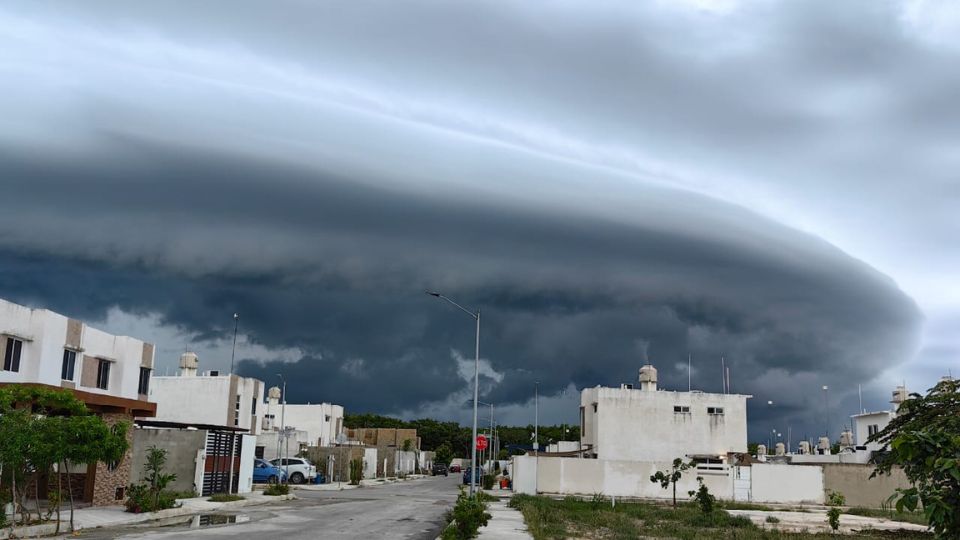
(413, 509)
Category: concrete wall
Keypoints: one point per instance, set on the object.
(572, 476)
(182, 448)
(776, 483)
(639, 425)
(854, 482)
(45, 334)
(204, 399)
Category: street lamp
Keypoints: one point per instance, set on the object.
(236, 325)
(476, 388)
(285, 435)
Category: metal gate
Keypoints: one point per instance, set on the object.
(216, 469)
(741, 483)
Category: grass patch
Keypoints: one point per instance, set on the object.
(277, 489)
(549, 519)
(737, 505)
(772, 519)
(188, 494)
(225, 497)
(910, 517)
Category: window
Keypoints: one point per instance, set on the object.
(69, 364)
(103, 374)
(683, 409)
(594, 408)
(715, 410)
(143, 387)
(873, 429)
(253, 406)
(11, 357)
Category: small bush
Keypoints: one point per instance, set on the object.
(151, 495)
(277, 489)
(488, 481)
(836, 499)
(225, 497)
(186, 494)
(772, 519)
(702, 496)
(833, 518)
(356, 471)
(469, 514)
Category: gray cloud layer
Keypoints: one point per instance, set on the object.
(601, 188)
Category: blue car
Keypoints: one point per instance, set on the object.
(265, 473)
(478, 474)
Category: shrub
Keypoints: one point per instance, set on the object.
(833, 518)
(150, 494)
(772, 519)
(225, 497)
(356, 471)
(702, 496)
(836, 499)
(488, 481)
(277, 489)
(469, 514)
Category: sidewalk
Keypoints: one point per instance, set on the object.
(116, 516)
(505, 523)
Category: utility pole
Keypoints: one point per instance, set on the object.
(286, 436)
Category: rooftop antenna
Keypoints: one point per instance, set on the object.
(689, 356)
(860, 395)
(728, 379)
(723, 374)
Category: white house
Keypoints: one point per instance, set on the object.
(208, 398)
(647, 424)
(110, 374)
(322, 422)
(868, 423)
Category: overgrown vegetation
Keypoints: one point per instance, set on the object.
(488, 481)
(277, 489)
(225, 497)
(468, 515)
(45, 432)
(703, 498)
(889, 513)
(151, 494)
(671, 477)
(924, 440)
(549, 519)
(833, 518)
(772, 519)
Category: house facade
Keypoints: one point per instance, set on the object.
(110, 374)
(208, 398)
(648, 424)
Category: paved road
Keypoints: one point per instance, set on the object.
(414, 509)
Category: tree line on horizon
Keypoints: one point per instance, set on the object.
(435, 433)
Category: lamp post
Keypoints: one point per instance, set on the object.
(476, 389)
(283, 429)
(236, 325)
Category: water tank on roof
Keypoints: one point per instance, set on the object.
(648, 378)
(846, 438)
(804, 447)
(189, 362)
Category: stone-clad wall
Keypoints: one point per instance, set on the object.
(106, 481)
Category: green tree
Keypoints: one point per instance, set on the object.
(671, 477)
(40, 428)
(444, 454)
(924, 440)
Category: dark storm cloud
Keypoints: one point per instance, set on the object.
(566, 297)
(608, 181)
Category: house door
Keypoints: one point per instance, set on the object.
(741, 483)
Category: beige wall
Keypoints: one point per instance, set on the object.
(854, 482)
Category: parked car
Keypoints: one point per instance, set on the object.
(439, 468)
(455, 468)
(266, 473)
(299, 469)
(478, 473)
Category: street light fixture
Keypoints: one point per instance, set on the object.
(476, 389)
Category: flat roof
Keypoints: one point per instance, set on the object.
(185, 425)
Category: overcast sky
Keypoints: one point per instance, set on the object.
(609, 182)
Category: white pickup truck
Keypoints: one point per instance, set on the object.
(299, 470)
